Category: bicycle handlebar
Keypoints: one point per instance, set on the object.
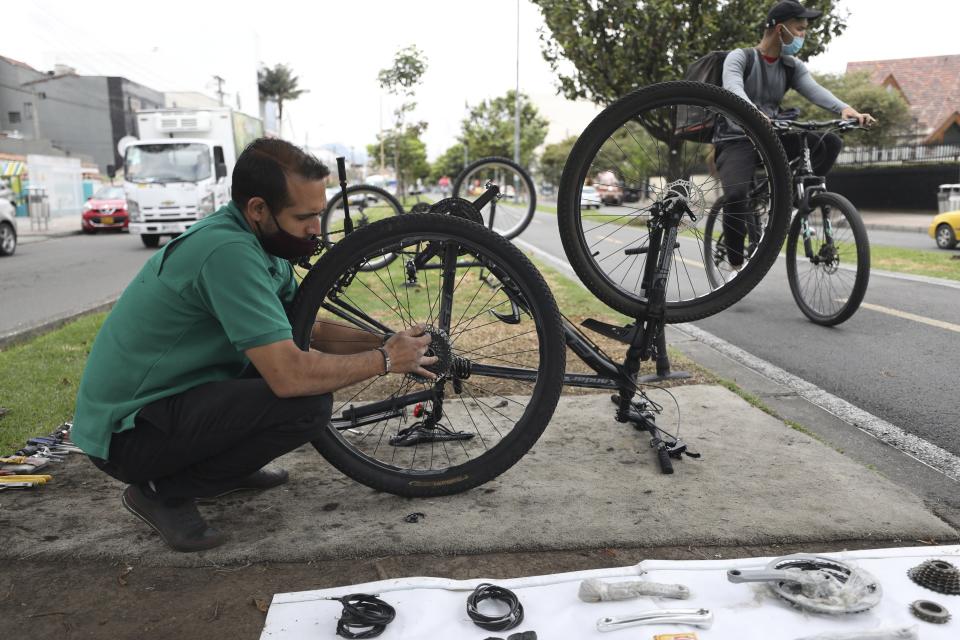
(812, 125)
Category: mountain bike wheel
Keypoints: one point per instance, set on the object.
(513, 212)
(829, 282)
(715, 251)
(495, 328)
(640, 139)
(367, 204)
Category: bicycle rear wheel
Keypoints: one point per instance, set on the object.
(512, 213)
(716, 253)
(496, 330)
(828, 282)
(641, 139)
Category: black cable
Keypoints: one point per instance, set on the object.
(488, 591)
(361, 610)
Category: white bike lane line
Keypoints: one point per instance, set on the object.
(913, 446)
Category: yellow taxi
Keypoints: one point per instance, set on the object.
(945, 228)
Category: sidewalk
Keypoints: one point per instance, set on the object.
(916, 221)
(57, 227)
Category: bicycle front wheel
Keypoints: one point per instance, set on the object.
(645, 142)
(495, 328)
(510, 214)
(828, 259)
(367, 204)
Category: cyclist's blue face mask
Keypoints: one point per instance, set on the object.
(791, 48)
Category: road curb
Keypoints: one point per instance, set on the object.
(20, 336)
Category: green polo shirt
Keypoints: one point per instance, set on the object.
(185, 320)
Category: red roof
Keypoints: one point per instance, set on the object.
(931, 85)
(17, 63)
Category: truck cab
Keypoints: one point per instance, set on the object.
(179, 171)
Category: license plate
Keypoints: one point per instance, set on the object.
(106, 220)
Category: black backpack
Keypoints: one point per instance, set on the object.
(695, 123)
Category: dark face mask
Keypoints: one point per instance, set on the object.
(284, 245)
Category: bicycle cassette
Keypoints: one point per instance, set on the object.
(458, 207)
(439, 347)
(816, 583)
(937, 575)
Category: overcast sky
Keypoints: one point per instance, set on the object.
(337, 48)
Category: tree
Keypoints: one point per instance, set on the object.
(488, 130)
(553, 158)
(409, 65)
(280, 84)
(408, 146)
(888, 107)
(450, 163)
(616, 46)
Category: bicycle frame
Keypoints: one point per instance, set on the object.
(646, 340)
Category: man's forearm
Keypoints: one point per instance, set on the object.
(318, 373)
(337, 338)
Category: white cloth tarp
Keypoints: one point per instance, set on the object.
(435, 607)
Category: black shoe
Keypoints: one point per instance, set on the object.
(181, 527)
(262, 479)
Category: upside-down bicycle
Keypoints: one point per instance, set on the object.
(494, 325)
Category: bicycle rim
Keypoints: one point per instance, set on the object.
(828, 284)
(367, 204)
(639, 142)
(494, 314)
(513, 211)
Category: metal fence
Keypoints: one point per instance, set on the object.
(899, 155)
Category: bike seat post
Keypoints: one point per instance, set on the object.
(488, 196)
(342, 174)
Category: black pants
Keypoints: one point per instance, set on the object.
(736, 161)
(203, 441)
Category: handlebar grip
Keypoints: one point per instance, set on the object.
(342, 168)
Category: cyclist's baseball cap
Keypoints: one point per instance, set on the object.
(788, 9)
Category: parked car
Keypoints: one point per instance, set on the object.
(106, 209)
(945, 228)
(8, 228)
(589, 197)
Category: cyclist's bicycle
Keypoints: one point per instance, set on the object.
(495, 328)
(827, 251)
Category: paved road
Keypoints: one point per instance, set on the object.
(896, 358)
(58, 276)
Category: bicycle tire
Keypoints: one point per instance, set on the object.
(602, 128)
(713, 250)
(330, 235)
(812, 303)
(523, 219)
(336, 269)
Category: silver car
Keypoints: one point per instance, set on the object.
(8, 228)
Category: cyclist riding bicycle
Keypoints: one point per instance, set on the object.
(773, 71)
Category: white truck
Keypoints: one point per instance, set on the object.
(179, 170)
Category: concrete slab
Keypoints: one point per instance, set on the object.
(589, 483)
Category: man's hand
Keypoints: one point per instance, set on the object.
(865, 119)
(406, 349)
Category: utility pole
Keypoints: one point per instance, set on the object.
(516, 118)
(220, 92)
(382, 168)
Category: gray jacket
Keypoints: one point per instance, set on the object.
(766, 85)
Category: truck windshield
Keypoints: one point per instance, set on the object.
(173, 162)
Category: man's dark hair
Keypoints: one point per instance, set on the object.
(262, 170)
